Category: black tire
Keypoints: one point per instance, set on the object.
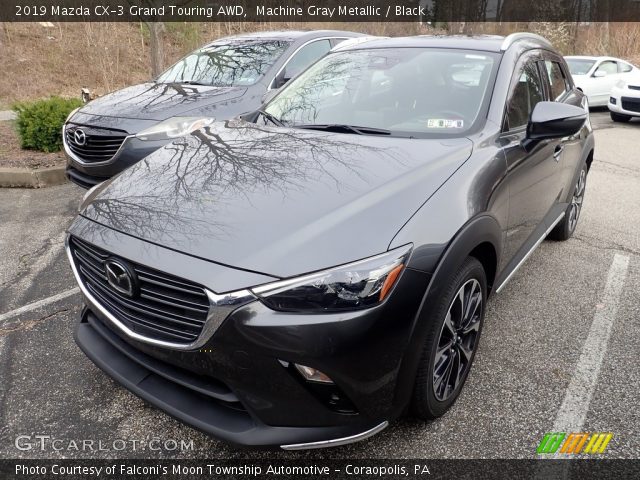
(430, 399)
(618, 117)
(564, 230)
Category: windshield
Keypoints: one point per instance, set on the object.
(401, 91)
(226, 65)
(579, 67)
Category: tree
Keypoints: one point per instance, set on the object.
(156, 46)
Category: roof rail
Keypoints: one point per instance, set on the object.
(514, 37)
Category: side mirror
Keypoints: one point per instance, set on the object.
(269, 94)
(599, 74)
(555, 120)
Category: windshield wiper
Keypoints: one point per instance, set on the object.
(273, 119)
(338, 127)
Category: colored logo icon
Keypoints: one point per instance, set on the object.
(574, 443)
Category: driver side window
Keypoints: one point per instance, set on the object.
(525, 94)
(608, 68)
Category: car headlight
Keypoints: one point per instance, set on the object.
(174, 127)
(73, 112)
(354, 286)
(621, 84)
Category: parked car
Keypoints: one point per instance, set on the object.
(303, 275)
(624, 101)
(218, 81)
(596, 76)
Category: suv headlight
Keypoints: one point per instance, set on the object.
(174, 127)
(353, 286)
(71, 114)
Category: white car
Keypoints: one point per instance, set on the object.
(624, 100)
(596, 76)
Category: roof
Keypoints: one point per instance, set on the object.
(490, 43)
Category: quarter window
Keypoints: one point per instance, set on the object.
(625, 67)
(557, 81)
(527, 92)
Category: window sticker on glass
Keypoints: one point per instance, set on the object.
(444, 123)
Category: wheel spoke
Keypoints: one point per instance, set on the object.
(458, 339)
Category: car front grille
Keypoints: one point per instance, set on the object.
(631, 104)
(165, 307)
(92, 144)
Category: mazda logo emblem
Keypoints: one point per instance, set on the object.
(121, 277)
(80, 137)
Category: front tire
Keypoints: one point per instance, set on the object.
(452, 341)
(564, 230)
(618, 117)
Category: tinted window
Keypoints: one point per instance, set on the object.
(306, 56)
(608, 67)
(226, 65)
(407, 91)
(557, 82)
(579, 66)
(526, 93)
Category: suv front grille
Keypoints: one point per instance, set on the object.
(631, 104)
(634, 87)
(92, 144)
(167, 308)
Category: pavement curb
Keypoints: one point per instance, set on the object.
(28, 178)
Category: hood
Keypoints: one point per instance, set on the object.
(159, 101)
(275, 200)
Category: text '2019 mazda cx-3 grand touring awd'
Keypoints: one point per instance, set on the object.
(304, 275)
(218, 81)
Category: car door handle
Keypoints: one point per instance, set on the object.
(557, 151)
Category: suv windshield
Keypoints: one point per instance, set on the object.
(579, 67)
(226, 65)
(401, 91)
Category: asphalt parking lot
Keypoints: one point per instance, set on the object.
(559, 350)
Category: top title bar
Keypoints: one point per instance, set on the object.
(425, 11)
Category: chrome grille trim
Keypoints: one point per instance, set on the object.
(83, 156)
(106, 302)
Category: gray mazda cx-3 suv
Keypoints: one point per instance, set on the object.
(304, 275)
(218, 81)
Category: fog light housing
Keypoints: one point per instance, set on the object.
(313, 375)
(613, 100)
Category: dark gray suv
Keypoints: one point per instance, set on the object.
(218, 81)
(305, 275)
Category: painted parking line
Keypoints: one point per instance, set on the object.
(40, 303)
(574, 408)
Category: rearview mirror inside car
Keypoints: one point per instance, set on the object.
(555, 120)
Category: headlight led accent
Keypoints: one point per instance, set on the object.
(353, 286)
(173, 128)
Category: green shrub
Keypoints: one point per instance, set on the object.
(40, 123)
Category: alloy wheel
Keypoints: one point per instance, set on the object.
(576, 202)
(458, 340)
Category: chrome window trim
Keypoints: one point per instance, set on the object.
(270, 87)
(82, 162)
(220, 306)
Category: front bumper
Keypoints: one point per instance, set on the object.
(241, 385)
(625, 104)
